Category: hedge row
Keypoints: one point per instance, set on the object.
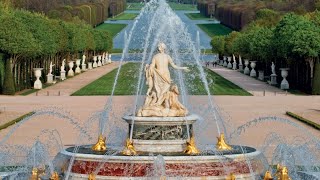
(31, 40)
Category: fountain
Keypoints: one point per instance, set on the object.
(164, 139)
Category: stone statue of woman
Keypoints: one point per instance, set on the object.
(50, 68)
(63, 65)
(273, 68)
(162, 94)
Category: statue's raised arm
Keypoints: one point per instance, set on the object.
(177, 67)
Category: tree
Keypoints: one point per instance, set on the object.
(218, 44)
(229, 40)
(8, 85)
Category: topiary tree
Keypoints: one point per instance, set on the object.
(218, 45)
(8, 84)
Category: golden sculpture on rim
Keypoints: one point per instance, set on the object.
(191, 147)
(54, 176)
(267, 176)
(91, 177)
(36, 173)
(129, 149)
(282, 173)
(100, 145)
(162, 94)
(231, 177)
(221, 144)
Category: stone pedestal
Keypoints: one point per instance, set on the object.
(83, 67)
(78, 70)
(234, 65)
(160, 134)
(253, 72)
(246, 69)
(261, 75)
(240, 67)
(89, 65)
(70, 72)
(62, 75)
(37, 74)
(95, 62)
(99, 61)
(229, 63)
(284, 83)
(49, 78)
(273, 79)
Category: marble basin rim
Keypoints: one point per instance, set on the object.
(190, 119)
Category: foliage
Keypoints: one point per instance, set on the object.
(2, 69)
(316, 79)
(113, 29)
(229, 41)
(218, 44)
(8, 85)
(125, 16)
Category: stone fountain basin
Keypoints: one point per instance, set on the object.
(177, 165)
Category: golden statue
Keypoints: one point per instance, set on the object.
(221, 144)
(268, 176)
(100, 145)
(191, 147)
(36, 173)
(91, 177)
(129, 149)
(231, 177)
(54, 176)
(282, 173)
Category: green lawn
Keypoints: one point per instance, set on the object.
(197, 16)
(113, 29)
(174, 6)
(215, 29)
(129, 77)
(10, 123)
(125, 16)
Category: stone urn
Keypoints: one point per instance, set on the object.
(78, 70)
(234, 65)
(99, 61)
(89, 65)
(253, 72)
(284, 83)
(225, 63)
(246, 69)
(70, 72)
(37, 74)
(229, 63)
(261, 75)
(95, 58)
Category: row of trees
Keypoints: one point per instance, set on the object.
(94, 12)
(237, 14)
(290, 41)
(29, 40)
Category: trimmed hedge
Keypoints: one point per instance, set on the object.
(2, 65)
(316, 79)
(8, 85)
(304, 120)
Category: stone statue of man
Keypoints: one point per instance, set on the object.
(63, 65)
(83, 59)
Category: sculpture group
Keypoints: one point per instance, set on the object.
(162, 94)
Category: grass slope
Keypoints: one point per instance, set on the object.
(125, 16)
(113, 29)
(215, 29)
(128, 79)
(10, 123)
(197, 16)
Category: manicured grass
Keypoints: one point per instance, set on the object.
(10, 123)
(125, 16)
(197, 16)
(304, 120)
(215, 29)
(129, 77)
(113, 29)
(174, 6)
(103, 86)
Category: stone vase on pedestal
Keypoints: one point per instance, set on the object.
(37, 74)
(83, 67)
(225, 63)
(99, 61)
(241, 67)
(229, 63)
(70, 72)
(261, 75)
(253, 72)
(63, 75)
(284, 83)
(273, 79)
(89, 65)
(78, 70)
(95, 62)
(246, 69)
(234, 65)
(49, 78)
